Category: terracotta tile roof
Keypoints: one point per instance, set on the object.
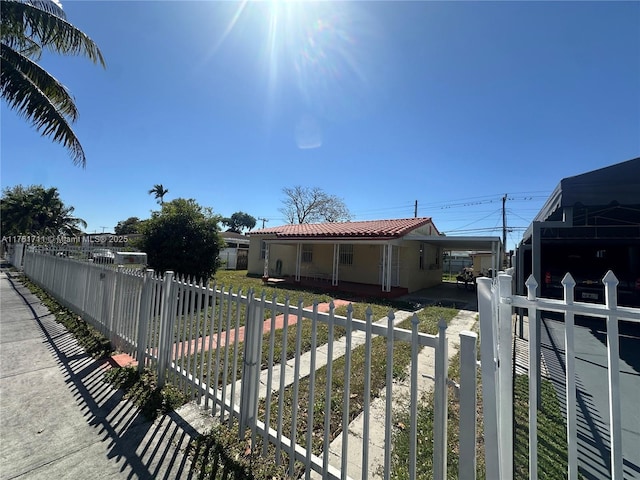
(383, 229)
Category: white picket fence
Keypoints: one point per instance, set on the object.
(14, 254)
(209, 342)
(495, 306)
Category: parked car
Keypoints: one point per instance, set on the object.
(588, 264)
(103, 255)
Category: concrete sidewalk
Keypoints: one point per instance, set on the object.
(58, 419)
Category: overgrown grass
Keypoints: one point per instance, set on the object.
(552, 432)
(280, 350)
(219, 455)
(93, 342)
(401, 358)
(552, 446)
(425, 425)
(143, 390)
(238, 280)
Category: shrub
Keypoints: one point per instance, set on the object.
(183, 237)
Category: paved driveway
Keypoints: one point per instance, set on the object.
(592, 394)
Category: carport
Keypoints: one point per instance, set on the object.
(600, 209)
(488, 244)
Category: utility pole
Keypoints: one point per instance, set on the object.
(415, 210)
(504, 231)
(263, 220)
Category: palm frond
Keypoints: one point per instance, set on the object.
(54, 90)
(48, 6)
(24, 96)
(21, 20)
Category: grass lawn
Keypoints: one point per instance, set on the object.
(238, 279)
(552, 432)
(552, 445)
(401, 358)
(226, 353)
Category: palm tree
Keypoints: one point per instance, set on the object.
(36, 210)
(28, 27)
(159, 191)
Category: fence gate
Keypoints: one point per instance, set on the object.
(242, 261)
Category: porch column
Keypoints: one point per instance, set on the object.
(336, 257)
(387, 252)
(265, 271)
(389, 263)
(298, 261)
(383, 267)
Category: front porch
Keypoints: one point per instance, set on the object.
(343, 289)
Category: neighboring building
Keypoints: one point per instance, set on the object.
(590, 224)
(454, 262)
(403, 254)
(482, 263)
(235, 254)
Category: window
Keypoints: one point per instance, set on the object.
(307, 253)
(346, 254)
(263, 250)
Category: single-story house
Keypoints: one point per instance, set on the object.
(589, 224)
(235, 253)
(400, 254)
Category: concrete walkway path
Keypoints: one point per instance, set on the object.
(59, 420)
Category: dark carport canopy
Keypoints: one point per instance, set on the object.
(597, 206)
(616, 186)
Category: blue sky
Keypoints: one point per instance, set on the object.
(452, 104)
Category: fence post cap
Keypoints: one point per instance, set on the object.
(610, 279)
(468, 334)
(568, 280)
(531, 282)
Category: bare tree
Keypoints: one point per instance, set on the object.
(312, 205)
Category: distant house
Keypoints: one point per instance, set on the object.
(398, 256)
(235, 253)
(482, 262)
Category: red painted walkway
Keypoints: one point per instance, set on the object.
(195, 346)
